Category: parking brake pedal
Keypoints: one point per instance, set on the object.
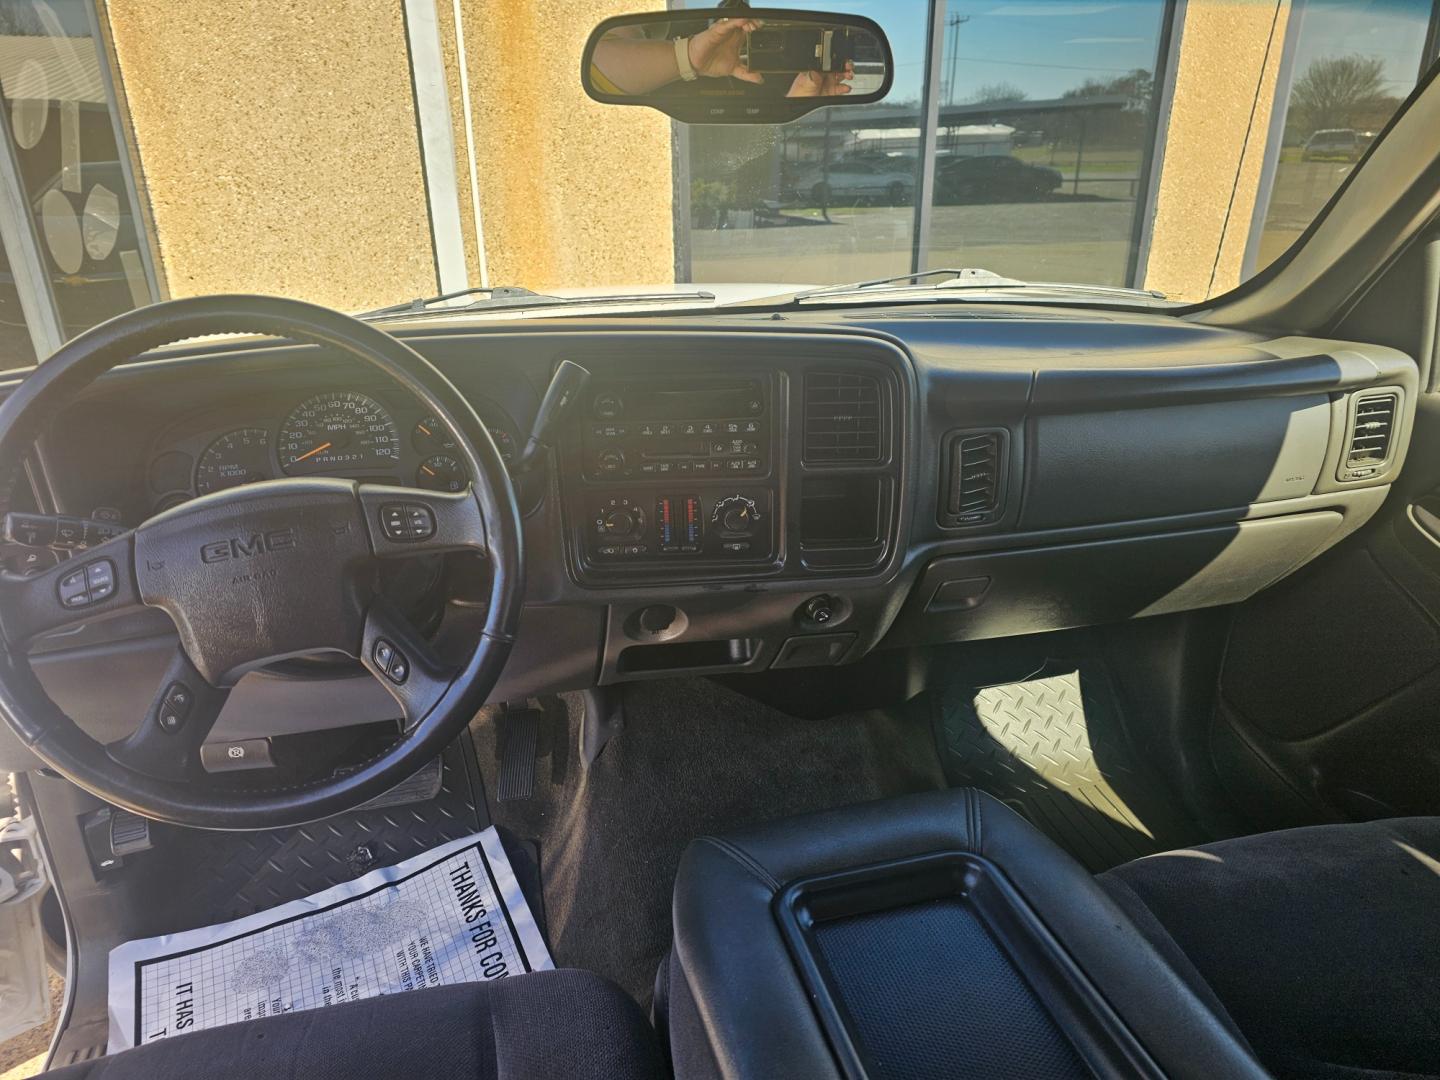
(112, 835)
(517, 737)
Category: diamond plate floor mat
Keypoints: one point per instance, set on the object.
(217, 876)
(1046, 736)
(195, 878)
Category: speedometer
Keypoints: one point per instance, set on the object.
(338, 432)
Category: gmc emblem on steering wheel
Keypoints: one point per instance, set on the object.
(247, 547)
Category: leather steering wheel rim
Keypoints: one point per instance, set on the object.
(309, 526)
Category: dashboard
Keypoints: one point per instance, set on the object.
(738, 494)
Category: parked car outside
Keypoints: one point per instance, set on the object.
(880, 179)
(1334, 144)
(993, 178)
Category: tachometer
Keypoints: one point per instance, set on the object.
(238, 457)
(338, 432)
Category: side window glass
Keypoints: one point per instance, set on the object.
(59, 122)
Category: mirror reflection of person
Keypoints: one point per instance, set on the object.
(626, 62)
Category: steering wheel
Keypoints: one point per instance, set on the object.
(255, 574)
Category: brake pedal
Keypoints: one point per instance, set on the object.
(517, 737)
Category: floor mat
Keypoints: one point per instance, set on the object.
(230, 875)
(195, 878)
(1045, 734)
(693, 758)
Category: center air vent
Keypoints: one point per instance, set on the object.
(842, 418)
(1372, 435)
(975, 478)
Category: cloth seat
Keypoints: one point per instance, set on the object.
(552, 1024)
(1322, 943)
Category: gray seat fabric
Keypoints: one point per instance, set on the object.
(556, 1025)
(1322, 943)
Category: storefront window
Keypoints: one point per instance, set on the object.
(58, 120)
(1352, 65)
(828, 198)
(1047, 119)
(1046, 125)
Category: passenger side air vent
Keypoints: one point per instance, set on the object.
(842, 418)
(1372, 435)
(974, 483)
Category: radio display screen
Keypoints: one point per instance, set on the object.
(693, 401)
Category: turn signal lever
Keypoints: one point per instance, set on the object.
(565, 388)
(58, 531)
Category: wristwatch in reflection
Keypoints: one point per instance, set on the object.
(682, 59)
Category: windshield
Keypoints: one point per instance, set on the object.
(363, 155)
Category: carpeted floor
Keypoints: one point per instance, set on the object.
(693, 758)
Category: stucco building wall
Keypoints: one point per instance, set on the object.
(1215, 144)
(278, 146)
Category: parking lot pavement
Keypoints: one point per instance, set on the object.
(1054, 240)
(22, 1056)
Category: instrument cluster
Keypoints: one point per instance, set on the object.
(340, 433)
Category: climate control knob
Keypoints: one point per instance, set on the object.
(617, 523)
(620, 520)
(735, 515)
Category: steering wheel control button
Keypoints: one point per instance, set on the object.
(407, 522)
(384, 654)
(73, 591)
(391, 661)
(175, 707)
(87, 585)
(422, 522)
(100, 580)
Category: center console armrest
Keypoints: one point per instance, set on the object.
(940, 927)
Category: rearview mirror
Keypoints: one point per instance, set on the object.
(745, 66)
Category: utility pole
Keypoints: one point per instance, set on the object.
(953, 24)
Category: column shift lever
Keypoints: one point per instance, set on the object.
(566, 386)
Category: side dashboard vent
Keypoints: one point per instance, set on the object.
(1372, 435)
(975, 478)
(842, 418)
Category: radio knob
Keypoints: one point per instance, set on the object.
(609, 460)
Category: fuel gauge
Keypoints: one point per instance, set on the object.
(441, 473)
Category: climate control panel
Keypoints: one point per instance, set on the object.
(718, 523)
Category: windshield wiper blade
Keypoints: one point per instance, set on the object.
(972, 278)
(514, 296)
(425, 303)
(973, 273)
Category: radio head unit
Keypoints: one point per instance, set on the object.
(671, 427)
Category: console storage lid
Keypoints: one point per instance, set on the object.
(745, 999)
